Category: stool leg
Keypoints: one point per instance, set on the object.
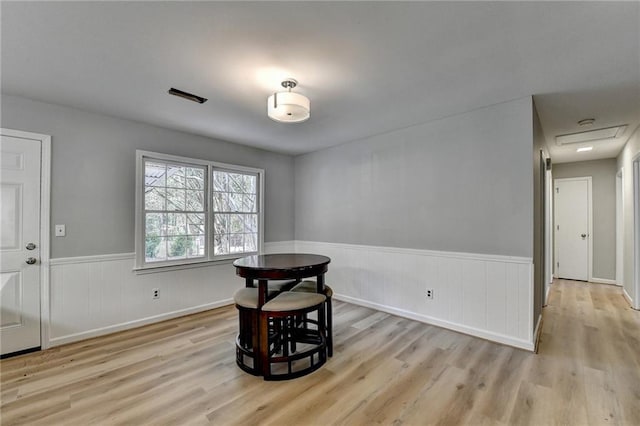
(262, 349)
(295, 322)
(322, 321)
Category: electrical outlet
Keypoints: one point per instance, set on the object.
(429, 293)
(155, 293)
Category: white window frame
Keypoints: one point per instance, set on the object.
(209, 258)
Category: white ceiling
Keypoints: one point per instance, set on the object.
(368, 67)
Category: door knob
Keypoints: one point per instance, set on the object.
(583, 236)
(31, 260)
(31, 246)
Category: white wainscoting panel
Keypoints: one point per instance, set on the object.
(96, 295)
(485, 296)
(482, 295)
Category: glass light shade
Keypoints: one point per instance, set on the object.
(288, 107)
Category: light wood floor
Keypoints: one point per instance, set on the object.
(385, 370)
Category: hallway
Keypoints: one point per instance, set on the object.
(588, 365)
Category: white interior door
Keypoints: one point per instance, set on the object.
(572, 228)
(19, 244)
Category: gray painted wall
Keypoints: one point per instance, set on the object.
(93, 173)
(462, 183)
(625, 162)
(603, 180)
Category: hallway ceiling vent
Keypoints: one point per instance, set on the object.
(591, 135)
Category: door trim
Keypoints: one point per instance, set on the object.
(45, 226)
(620, 202)
(636, 231)
(589, 222)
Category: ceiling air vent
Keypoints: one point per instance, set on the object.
(591, 135)
(189, 96)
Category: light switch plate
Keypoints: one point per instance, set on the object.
(61, 230)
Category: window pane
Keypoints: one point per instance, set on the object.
(250, 184)
(154, 173)
(175, 199)
(236, 243)
(195, 201)
(155, 249)
(236, 223)
(250, 242)
(155, 224)
(220, 244)
(195, 178)
(221, 202)
(251, 223)
(235, 202)
(195, 224)
(236, 182)
(175, 176)
(178, 246)
(220, 181)
(196, 248)
(221, 224)
(154, 198)
(176, 224)
(249, 203)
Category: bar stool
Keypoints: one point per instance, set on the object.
(246, 300)
(281, 285)
(310, 334)
(309, 286)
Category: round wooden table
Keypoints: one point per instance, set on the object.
(282, 266)
(285, 266)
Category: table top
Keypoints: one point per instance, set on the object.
(281, 265)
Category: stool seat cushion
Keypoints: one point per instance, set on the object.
(247, 297)
(309, 286)
(293, 301)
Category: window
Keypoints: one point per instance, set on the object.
(192, 211)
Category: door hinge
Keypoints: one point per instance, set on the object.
(558, 227)
(557, 190)
(557, 264)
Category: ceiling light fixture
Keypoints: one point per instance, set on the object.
(584, 149)
(288, 107)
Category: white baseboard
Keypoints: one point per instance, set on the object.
(546, 294)
(137, 323)
(495, 337)
(626, 296)
(603, 281)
